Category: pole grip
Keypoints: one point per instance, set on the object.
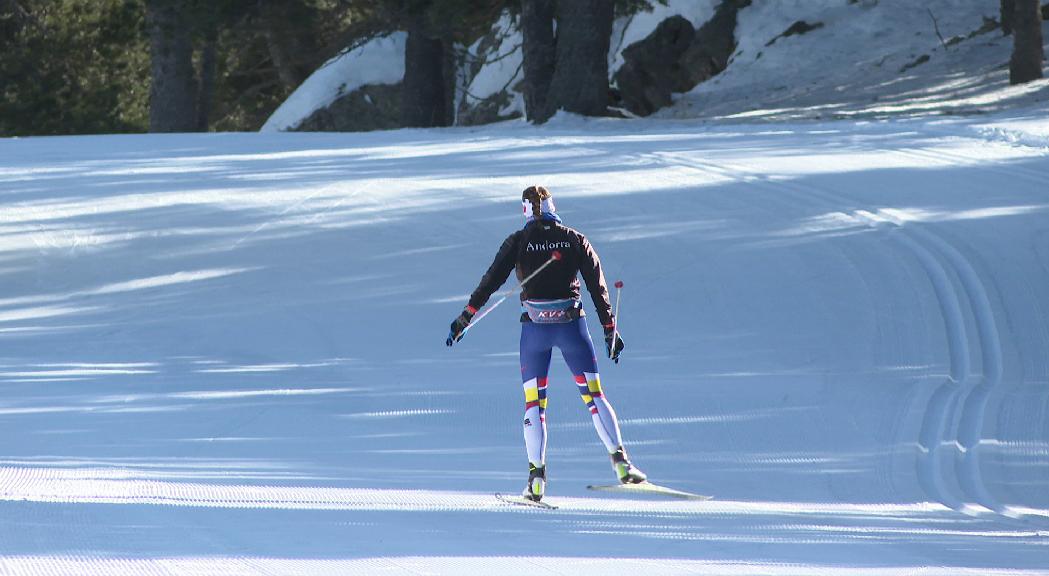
(615, 318)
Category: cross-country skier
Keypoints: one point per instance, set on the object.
(553, 316)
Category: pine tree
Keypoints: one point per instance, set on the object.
(538, 50)
(173, 93)
(289, 29)
(72, 67)
(1026, 62)
(580, 80)
(427, 99)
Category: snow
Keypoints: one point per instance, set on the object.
(381, 61)
(853, 66)
(836, 328)
(224, 353)
(502, 62)
(636, 27)
(378, 61)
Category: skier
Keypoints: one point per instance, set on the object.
(553, 316)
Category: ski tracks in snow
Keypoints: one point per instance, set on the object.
(953, 420)
(952, 425)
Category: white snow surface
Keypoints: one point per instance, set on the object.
(223, 354)
(854, 65)
(503, 60)
(378, 61)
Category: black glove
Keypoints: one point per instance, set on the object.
(613, 343)
(459, 326)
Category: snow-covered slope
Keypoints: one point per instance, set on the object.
(863, 59)
(224, 353)
(381, 61)
(868, 58)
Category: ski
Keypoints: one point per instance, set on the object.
(648, 488)
(522, 501)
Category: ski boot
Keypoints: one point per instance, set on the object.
(536, 483)
(627, 472)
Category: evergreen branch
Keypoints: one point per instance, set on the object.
(513, 77)
(936, 26)
(471, 59)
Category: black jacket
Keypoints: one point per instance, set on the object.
(529, 248)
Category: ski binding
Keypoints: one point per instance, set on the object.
(522, 501)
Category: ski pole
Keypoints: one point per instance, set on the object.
(615, 322)
(555, 256)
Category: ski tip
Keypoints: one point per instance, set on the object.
(619, 284)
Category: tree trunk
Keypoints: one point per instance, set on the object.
(1007, 10)
(1026, 62)
(208, 59)
(539, 49)
(426, 98)
(287, 27)
(580, 80)
(173, 93)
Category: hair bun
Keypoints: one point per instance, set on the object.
(535, 195)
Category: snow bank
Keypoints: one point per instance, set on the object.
(1024, 129)
(867, 59)
(378, 61)
(503, 56)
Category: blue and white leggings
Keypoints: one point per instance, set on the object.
(573, 339)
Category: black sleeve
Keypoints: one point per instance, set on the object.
(590, 268)
(504, 263)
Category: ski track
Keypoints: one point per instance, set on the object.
(948, 465)
(251, 512)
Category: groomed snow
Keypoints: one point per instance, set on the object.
(224, 353)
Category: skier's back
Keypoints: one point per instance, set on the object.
(552, 316)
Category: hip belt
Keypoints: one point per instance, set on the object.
(551, 311)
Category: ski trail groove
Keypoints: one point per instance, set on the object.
(935, 427)
(953, 477)
(974, 404)
(960, 485)
(958, 393)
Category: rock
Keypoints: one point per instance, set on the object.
(675, 58)
(372, 107)
(796, 29)
(915, 63)
(487, 111)
(652, 68)
(715, 42)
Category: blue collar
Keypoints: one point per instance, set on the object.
(546, 216)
